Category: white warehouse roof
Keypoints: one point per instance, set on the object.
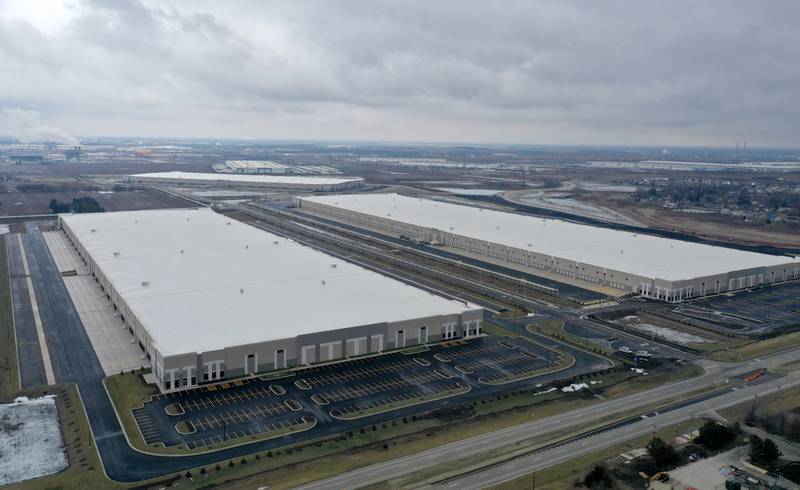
(643, 255)
(182, 273)
(249, 179)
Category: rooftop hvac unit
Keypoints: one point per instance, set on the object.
(116, 254)
(145, 284)
(333, 266)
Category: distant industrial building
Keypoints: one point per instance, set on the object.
(661, 268)
(26, 159)
(260, 182)
(256, 167)
(269, 167)
(210, 298)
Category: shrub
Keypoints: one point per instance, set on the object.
(598, 478)
(715, 436)
(662, 453)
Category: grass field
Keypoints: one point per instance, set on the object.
(787, 399)
(9, 377)
(490, 328)
(757, 348)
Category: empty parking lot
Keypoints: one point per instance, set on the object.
(341, 393)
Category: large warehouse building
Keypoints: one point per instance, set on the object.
(243, 181)
(671, 270)
(210, 298)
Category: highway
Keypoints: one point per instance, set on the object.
(559, 454)
(449, 455)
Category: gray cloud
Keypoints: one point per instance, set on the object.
(26, 126)
(639, 72)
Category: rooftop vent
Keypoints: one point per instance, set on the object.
(241, 291)
(116, 254)
(93, 230)
(181, 250)
(323, 282)
(275, 242)
(333, 266)
(145, 284)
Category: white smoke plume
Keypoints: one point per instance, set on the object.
(27, 127)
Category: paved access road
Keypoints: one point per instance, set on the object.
(451, 453)
(29, 352)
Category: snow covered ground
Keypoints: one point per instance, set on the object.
(469, 192)
(30, 440)
(676, 336)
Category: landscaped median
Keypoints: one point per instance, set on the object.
(128, 392)
(555, 328)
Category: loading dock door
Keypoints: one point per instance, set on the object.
(280, 359)
(251, 365)
(308, 354)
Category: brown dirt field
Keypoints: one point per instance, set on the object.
(121, 168)
(716, 227)
(23, 203)
(776, 235)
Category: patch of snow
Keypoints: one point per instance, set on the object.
(31, 445)
(670, 334)
(469, 192)
(574, 387)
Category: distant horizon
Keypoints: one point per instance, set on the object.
(389, 143)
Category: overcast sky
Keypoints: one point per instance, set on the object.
(537, 72)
